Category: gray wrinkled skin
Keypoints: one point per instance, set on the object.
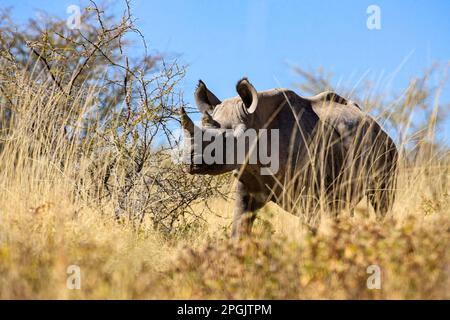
(327, 147)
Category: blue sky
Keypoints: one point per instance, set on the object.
(222, 41)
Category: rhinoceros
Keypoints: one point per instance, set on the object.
(329, 154)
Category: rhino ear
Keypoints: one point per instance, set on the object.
(205, 99)
(248, 94)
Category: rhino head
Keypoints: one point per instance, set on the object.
(230, 136)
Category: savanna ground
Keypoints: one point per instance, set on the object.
(83, 183)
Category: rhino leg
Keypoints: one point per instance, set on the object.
(382, 192)
(381, 195)
(352, 212)
(244, 211)
(382, 200)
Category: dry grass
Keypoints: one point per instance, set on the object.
(49, 222)
(44, 230)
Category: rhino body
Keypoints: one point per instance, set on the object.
(330, 154)
(370, 164)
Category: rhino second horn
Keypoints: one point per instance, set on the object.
(207, 120)
(186, 122)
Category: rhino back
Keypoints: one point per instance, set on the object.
(305, 145)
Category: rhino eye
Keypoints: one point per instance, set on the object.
(217, 125)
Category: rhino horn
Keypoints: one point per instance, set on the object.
(186, 122)
(207, 120)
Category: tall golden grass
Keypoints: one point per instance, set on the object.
(50, 220)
